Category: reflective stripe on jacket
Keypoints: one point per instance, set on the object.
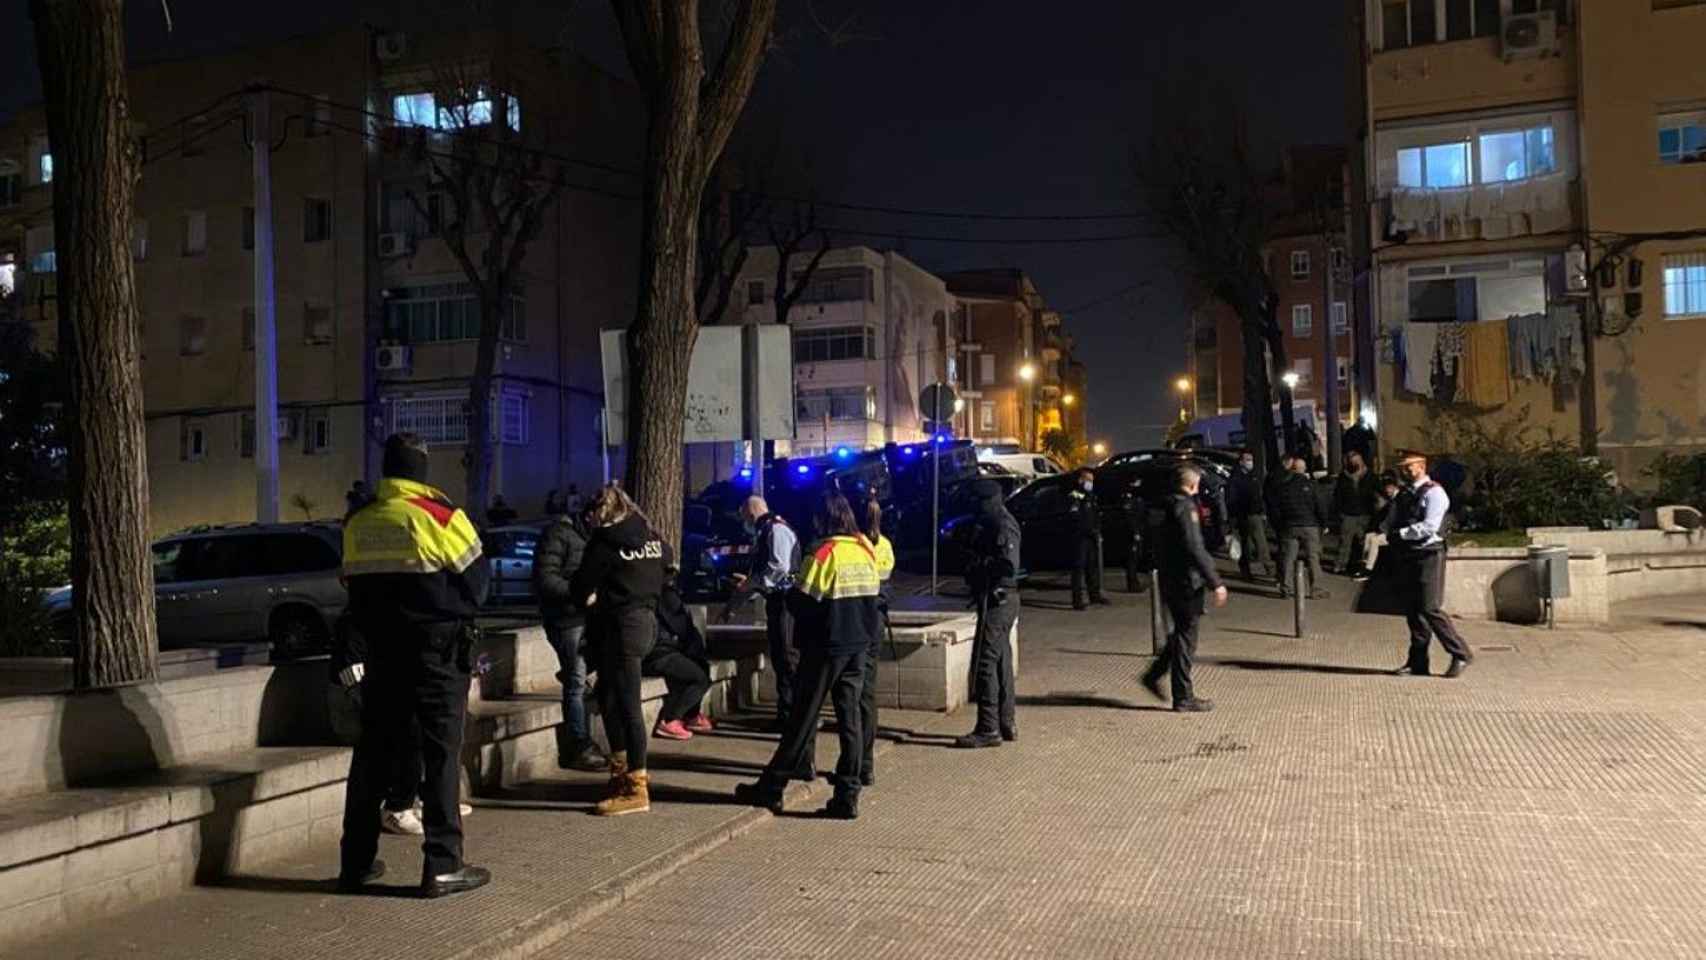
(412, 554)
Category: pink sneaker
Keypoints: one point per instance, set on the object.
(699, 723)
(672, 730)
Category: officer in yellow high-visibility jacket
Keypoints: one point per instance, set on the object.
(871, 525)
(416, 579)
(835, 621)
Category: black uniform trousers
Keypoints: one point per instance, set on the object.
(840, 679)
(784, 653)
(628, 635)
(992, 658)
(412, 676)
(1422, 580)
(1185, 605)
(1086, 567)
(868, 697)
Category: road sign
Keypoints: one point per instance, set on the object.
(936, 402)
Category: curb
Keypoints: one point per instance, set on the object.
(530, 937)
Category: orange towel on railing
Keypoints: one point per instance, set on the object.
(1484, 376)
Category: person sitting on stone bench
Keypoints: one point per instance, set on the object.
(678, 657)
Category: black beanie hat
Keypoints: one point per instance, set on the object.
(405, 458)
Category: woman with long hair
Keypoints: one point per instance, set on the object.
(835, 621)
(618, 583)
(871, 525)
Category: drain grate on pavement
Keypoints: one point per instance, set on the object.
(1602, 752)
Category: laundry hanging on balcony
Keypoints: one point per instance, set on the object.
(1484, 375)
(1486, 211)
(1546, 346)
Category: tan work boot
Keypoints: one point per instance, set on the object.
(635, 797)
(618, 776)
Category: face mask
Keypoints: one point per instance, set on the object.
(1247, 465)
(1088, 486)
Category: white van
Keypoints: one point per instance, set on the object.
(1029, 465)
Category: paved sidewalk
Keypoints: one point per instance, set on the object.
(554, 866)
(1547, 804)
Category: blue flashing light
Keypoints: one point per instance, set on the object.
(802, 469)
(943, 438)
(746, 473)
(843, 452)
(906, 451)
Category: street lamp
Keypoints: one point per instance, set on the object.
(1290, 379)
(1099, 449)
(1068, 400)
(1028, 372)
(1183, 384)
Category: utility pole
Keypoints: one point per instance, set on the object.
(266, 329)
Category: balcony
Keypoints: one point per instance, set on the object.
(1468, 75)
(1492, 211)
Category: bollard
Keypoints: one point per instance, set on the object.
(1157, 620)
(1300, 605)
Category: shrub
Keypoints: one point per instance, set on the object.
(1679, 480)
(1517, 482)
(35, 555)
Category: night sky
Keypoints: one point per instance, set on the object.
(1004, 106)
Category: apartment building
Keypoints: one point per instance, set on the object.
(870, 331)
(1019, 379)
(1535, 230)
(376, 322)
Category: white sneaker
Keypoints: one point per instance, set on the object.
(405, 822)
(465, 808)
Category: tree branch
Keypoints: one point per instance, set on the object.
(726, 88)
(641, 23)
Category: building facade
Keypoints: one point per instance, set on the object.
(1535, 230)
(376, 322)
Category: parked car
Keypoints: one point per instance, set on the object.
(714, 548)
(1010, 482)
(510, 550)
(273, 582)
(1030, 465)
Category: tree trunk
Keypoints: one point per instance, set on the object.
(80, 44)
(477, 458)
(1258, 408)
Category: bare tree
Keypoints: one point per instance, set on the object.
(792, 235)
(497, 188)
(80, 46)
(727, 217)
(692, 110)
(1206, 191)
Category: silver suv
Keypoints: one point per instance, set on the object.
(277, 582)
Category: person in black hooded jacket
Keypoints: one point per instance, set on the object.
(618, 583)
(678, 657)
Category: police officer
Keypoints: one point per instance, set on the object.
(991, 572)
(1415, 533)
(1246, 500)
(775, 565)
(1087, 540)
(416, 580)
(1186, 570)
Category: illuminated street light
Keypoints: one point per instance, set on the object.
(1068, 400)
(959, 404)
(1028, 372)
(1099, 449)
(1183, 384)
(1290, 380)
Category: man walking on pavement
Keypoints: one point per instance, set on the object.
(775, 565)
(1247, 503)
(991, 572)
(1353, 500)
(1087, 541)
(416, 580)
(1298, 513)
(1415, 533)
(1186, 571)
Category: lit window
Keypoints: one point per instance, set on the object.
(1517, 154)
(1682, 138)
(1435, 166)
(1685, 285)
(414, 109)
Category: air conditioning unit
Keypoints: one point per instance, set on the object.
(1529, 35)
(392, 357)
(391, 47)
(394, 245)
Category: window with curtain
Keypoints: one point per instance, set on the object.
(1685, 285)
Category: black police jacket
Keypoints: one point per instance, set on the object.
(1183, 560)
(1086, 521)
(994, 561)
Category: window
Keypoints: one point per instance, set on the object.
(192, 440)
(192, 336)
(444, 418)
(443, 312)
(836, 285)
(11, 183)
(421, 109)
(319, 119)
(1682, 138)
(1409, 23)
(828, 344)
(1443, 301)
(139, 240)
(318, 437)
(1341, 319)
(170, 561)
(41, 160)
(316, 220)
(1685, 285)
(295, 553)
(285, 430)
(1516, 154)
(248, 228)
(414, 109)
(38, 250)
(1434, 166)
(317, 324)
(1336, 259)
(839, 403)
(1343, 374)
(986, 416)
(248, 324)
(1304, 367)
(1300, 264)
(755, 292)
(1302, 319)
(195, 233)
(986, 368)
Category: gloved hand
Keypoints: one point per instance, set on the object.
(352, 674)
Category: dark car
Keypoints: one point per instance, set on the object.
(509, 549)
(714, 548)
